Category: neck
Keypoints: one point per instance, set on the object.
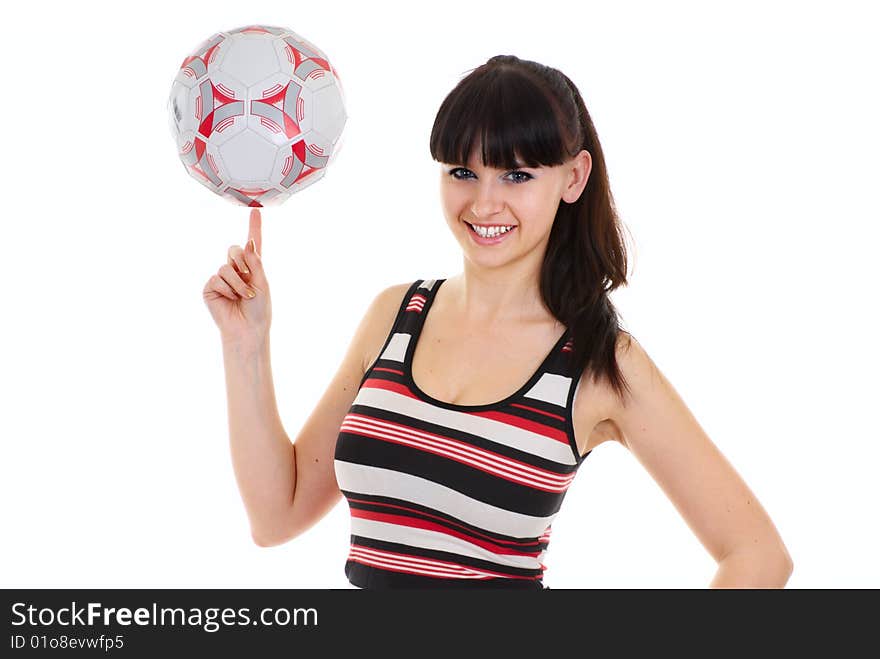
(497, 298)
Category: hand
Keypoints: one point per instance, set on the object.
(239, 316)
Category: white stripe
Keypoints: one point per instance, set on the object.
(456, 450)
(396, 349)
(551, 388)
(435, 540)
(496, 431)
(376, 481)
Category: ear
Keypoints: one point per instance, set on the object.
(581, 165)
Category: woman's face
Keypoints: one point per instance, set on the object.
(525, 199)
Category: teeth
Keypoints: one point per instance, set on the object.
(491, 232)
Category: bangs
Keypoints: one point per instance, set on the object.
(506, 113)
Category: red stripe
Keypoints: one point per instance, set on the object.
(416, 302)
(387, 370)
(468, 531)
(537, 411)
(400, 520)
(376, 383)
(525, 424)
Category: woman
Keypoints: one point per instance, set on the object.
(452, 480)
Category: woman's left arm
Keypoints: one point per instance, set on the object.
(662, 433)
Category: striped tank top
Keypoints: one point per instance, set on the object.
(453, 496)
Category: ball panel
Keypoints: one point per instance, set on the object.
(251, 58)
(328, 113)
(247, 157)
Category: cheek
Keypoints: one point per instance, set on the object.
(452, 200)
(543, 204)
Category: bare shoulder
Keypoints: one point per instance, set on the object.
(634, 362)
(597, 405)
(649, 394)
(635, 366)
(380, 319)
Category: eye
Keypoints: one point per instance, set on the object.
(526, 176)
(520, 177)
(455, 170)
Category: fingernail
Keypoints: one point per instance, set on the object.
(253, 245)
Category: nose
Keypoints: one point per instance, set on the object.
(488, 199)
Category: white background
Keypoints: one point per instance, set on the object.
(742, 147)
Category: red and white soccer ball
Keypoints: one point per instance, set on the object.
(257, 114)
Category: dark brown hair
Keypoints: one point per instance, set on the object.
(519, 109)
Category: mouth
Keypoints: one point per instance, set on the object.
(489, 237)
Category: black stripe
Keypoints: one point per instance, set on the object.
(478, 441)
(370, 577)
(470, 481)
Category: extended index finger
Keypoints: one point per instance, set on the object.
(255, 229)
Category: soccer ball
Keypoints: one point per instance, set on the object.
(257, 114)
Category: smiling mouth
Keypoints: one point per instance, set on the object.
(486, 238)
(493, 231)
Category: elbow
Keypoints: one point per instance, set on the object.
(275, 535)
(787, 565)
(262, 541)
(277, 528)
(784, 562)
(750, 568)
(274, 529)
(269, 540)
(784, 568)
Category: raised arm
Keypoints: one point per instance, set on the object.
(291, 491)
